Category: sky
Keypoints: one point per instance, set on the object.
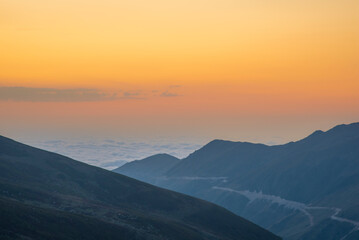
(177, 71)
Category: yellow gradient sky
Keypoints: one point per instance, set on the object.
(237, 69)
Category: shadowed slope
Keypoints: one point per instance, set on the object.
(292, 189)
(53, 182)
(148, 168)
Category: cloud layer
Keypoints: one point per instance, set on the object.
(28, 94)
(111, 153)
(53, 94)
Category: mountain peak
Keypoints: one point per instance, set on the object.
(315, 134)
(219, 142)
(340, 131)
(154, 165)
(345, 127)
(162, 155)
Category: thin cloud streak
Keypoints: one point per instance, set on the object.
(169, 94)
(28, 94)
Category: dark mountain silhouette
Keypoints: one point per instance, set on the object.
(44, 195)
(148, 168)
(307, 189)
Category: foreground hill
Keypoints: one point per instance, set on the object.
(44, 195)
(307, 189)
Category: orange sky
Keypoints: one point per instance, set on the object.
(240, 70)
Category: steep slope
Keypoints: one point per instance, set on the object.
(295, 190)
(148, 168)
(22, 221)
(38, 187)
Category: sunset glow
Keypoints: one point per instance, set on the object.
(197, 68)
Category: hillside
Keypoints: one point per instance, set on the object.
(45, 195)
(148, 168)
(299, 190)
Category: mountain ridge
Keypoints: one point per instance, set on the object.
(32, 178)
(320, 170)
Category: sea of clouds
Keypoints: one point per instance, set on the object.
(110, 154)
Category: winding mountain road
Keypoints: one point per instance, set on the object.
(296, 206)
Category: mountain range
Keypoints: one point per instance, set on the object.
(308, 189)
(44, 195)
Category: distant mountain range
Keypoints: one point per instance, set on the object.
(44, 195)
(307, 189)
